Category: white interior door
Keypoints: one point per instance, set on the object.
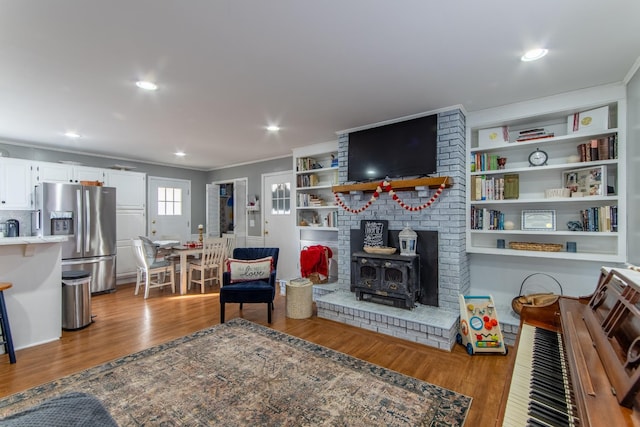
(213, 210)
(240, 211)
(278, 224)
(169, 209)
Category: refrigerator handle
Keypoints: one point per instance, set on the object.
(36, 220)
(80, 222)
(87, 218)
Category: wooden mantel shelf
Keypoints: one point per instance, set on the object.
(399, 185)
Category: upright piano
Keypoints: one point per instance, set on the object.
(577, 361)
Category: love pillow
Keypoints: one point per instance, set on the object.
(247, 270)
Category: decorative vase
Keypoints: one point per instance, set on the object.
(408, 239)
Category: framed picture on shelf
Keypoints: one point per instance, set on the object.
(586, 182)
(538, 220)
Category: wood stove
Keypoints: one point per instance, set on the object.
(427, 256)
(386, 279)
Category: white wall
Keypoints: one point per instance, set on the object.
(633, 166)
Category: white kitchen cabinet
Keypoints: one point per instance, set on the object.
(129, 225)
(65, 173)
(15, 184)
(86, 173)
(548, 127)
(130, 188)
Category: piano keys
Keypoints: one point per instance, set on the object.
(540, 393)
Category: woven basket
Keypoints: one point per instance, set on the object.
(551, 193)
(529, 246)
(535, 300)
(299, 303)
(316, 278)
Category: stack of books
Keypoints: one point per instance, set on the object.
(599, 149)
(601, 219)
(484, 162)
(309, 200)
(486, 219)
(315, 200)
(531, 134)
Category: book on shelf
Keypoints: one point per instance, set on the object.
(332, 219)
(600, 219)
(599, 149)
(484, 162)
(483, 188)
(310, 180)
(309, 200)
(486, 219)
(511, 186)
(306, 164)
(535, 133)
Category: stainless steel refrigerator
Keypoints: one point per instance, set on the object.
(87, 214)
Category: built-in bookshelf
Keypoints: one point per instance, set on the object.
(549, 178)
(316, 172)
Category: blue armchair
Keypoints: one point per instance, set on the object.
(255, 291)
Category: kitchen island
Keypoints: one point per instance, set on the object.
(34, 303)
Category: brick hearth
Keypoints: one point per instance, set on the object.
(432, 326)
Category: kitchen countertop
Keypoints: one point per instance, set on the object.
(30, 240)
(34, 303)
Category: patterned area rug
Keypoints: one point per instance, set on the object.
(241, 373)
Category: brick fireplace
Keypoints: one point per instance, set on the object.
(446, 216)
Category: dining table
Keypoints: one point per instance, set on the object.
(183, 251)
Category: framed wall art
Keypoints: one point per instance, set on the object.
(538, 220)
(587, 181)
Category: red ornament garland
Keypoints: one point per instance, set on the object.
(386, 186)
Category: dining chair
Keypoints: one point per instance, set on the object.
(230, 244)
(156, 274)
(209, 265)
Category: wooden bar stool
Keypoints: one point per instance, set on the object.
(4, 324)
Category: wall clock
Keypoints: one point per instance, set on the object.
(538, 158)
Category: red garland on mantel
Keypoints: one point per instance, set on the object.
(386, 186)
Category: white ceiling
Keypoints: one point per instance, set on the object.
(227, 68)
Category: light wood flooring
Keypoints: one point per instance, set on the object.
(125, 323)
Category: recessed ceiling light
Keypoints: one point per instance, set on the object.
(180, 153)
(146, 85)
(273, 128)
(72, 134)
(534, 54)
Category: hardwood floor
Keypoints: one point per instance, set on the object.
(125, 323)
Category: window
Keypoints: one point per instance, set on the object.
(169, 201)
(281, 199)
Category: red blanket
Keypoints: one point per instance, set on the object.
(315, 259)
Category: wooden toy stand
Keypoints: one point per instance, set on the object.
(479, 326)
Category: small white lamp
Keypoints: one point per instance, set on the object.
(408, 239)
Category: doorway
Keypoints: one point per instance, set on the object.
(227, 209)
(278, 225)
(169, 209)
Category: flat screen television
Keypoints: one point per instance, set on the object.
(403, 149)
